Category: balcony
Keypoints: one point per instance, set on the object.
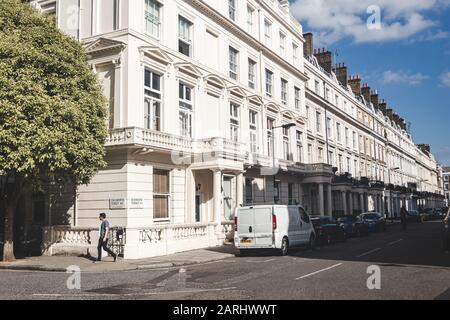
(168, 142)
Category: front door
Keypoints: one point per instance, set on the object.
(227, 197)
(198, 208)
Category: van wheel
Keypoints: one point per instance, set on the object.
(284, 247)
(312, 242)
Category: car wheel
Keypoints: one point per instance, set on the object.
(284, 247)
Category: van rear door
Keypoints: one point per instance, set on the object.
(246, 234)
(263, 226)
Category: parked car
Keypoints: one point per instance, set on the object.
(353, 226)
(277, 227)
(413, 216)
(328, 230)
(375, 221)
(427, 214)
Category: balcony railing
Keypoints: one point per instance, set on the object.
(166, 141)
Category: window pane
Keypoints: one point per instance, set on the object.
(161, 181)
(160, 207)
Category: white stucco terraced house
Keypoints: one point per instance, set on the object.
(199, 92)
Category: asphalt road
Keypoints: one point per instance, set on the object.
(412, 265)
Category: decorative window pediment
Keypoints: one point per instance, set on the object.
(273, 107)
(215, 84)
(256, 100)
(155, 53)
(188, 69)
(237, 92)
(103, 45)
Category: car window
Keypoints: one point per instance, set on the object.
(303, 215)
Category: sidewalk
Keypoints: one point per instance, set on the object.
(61, 263)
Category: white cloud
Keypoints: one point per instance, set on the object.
(445, 79)
(333, 20)
(401, 77)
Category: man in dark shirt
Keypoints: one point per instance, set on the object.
(103, 239)
(404, 217)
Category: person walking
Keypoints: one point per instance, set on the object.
(403, 217)
(103, 239)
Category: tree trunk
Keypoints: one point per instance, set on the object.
(8, 246)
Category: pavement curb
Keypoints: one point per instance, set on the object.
(160, 265)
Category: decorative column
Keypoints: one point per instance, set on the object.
(344, 202)
(351, 203)
(239, 189)
(217, 196)
(329, 200)
(117, 117)
(361, 202)
(321, 200)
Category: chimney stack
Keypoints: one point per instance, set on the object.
(383, 107)
(341, 72)
(355, 84)
(365, 91)
(390, 113)
(402, 123)
(324, 58)
(309, 44)
(374, 99)
(425, 148)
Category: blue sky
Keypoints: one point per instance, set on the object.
(406, 58)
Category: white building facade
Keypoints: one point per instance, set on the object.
(216, 104)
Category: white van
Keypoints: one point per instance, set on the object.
(272, 227)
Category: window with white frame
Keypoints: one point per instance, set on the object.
(232, 9)
(310, 147)
(320, 155)
(234, 122)
(317, 87)
(354, 140)
(152, 17)
(185, 112)
(295, 54)
(267, 33)
(347, 137)
(286, 144)
(299, 146)
(161, 194)
(253, 126)
(331, 158)
(270, 126)
(250, 19)
(282, 44)
(338, 132)
(340, 163)
(269, 83)
(184, 36)
(318, 122)
(251, 74)
(329, 127)
(349, 165)
(284, 91)
(233, 57)
(152, 100)
(298, 101)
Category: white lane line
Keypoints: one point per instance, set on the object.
(314, 273)
(394, 242)
(369, 252)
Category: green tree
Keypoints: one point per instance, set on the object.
(52, 110)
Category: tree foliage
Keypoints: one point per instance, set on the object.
(52, 110)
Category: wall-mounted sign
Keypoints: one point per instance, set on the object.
(136, 203)
(119, 203)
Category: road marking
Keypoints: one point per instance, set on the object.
(369, 252)
(394, 242)
(259, 261)
(314, 273)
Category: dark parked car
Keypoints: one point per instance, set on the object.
(328, 230)
(353, 226)
(413, 216)
(375, 221)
